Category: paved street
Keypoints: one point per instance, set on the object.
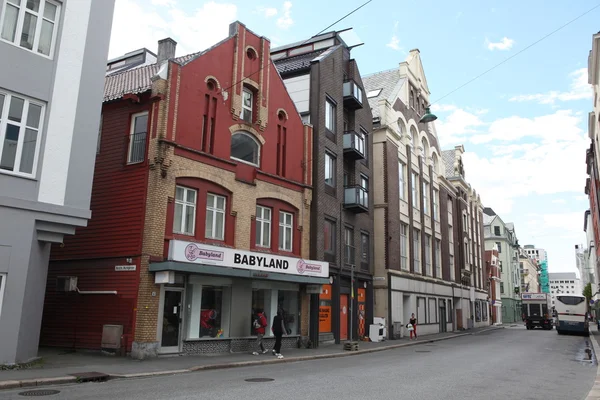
(507, 363)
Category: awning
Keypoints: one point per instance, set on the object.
(204, 269)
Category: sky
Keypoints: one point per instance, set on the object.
(523, 125)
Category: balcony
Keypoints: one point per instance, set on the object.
(524, 272)
(356, 199)
(353, 95)
(354, 145)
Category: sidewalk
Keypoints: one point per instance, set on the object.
(594, 393)
(60, 366)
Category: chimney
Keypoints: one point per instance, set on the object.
(166, 50)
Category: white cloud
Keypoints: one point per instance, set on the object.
(579, 90)
(559, 201)
(285, 21)
(457, 126)
(164, 3)
(135, 26)
(504, 44)
(270, 12)
(394, 43)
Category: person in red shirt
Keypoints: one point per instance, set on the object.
(259, 324)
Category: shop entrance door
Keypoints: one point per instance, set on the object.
(343, 317)
(171, 321)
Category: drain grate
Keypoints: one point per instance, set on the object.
(422, 351)
(34, 393)
(254, 380)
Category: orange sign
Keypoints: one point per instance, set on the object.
(326, 294)
(324, 319)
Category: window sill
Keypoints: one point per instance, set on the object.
(18, 174)
(31, 51)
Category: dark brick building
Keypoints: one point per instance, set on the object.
(325, 83)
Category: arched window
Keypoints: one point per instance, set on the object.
(425, 148)
(434, 159)
(245, 148)
(401, 127)
(414, 137)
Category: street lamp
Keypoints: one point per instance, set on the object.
(428, 116)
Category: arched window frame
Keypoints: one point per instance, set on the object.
(258, 148)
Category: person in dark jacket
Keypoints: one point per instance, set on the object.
(278, 329)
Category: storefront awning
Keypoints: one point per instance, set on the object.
(204, 269)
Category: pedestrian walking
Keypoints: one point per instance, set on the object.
(259, 324)
(278, 329)
(413, 323)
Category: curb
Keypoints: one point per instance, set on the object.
(594, 393)
(70, 379)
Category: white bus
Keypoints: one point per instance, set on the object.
(571, 314)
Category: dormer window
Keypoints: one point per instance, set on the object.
(247, 103)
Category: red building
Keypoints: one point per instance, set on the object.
(200, 208)
(495, 280)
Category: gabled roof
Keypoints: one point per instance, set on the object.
(296, 63)
(416, 66)
(388, 81)
(488, 219)
(489, 211)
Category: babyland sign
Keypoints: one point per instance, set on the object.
(225, 257)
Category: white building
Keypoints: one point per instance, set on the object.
(564, 283)
(535, 253)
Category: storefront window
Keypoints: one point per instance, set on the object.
(262, 300)
(288, 302)
(210, 311)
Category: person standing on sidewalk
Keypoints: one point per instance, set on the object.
(278, 329)
(413, 322)
(260, 323)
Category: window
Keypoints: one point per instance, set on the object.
(2, 284)
(436, 207)
(450, 234)
(416, 251)
(330, 116)
(247, 105)
(421, 310)
(329, 170)
(499, 247)
(450, 312)
(438, 258)
(137, 138)
(402, 180)
(184, 221)
(425, 197)
(245, 148)
(415, 190)
(20, 127)
(329, 236)
(349, 246)
(452, 270)
(286, 224)
(364, 247)
(428, 269)
(502, 287)
(432, 312)
(404, 247)
(263, 226)
(215, 217)
(465, 223)
(30, 24)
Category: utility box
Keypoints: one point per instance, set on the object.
(111, 337)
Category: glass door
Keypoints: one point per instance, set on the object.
(171, 324)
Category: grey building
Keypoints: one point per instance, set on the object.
(50, 98)
(325, 84)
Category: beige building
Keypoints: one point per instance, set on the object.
(529, 271)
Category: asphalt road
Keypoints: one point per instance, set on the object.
(503, 364)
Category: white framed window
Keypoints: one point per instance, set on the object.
(438, 258)
(30, 24)
(415, 190)
(286, 225)
(402, 180)
(404, 247)
(247, 105)
(20, 128)
(425, 198)
(436, 206)
(2, 285)
(184, 220)
(417, 251)
(215, 217)
(452, 270)
(263, 226)
(428, 270)
(329, 170)
(330, 116)
(245, 148)
(137, 138)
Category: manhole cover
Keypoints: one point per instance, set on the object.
(39, 393)
(422, 351)
(259, 380)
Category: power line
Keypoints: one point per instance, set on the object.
(517, 53)
(271, 61)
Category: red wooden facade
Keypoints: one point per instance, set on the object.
(202, 132)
